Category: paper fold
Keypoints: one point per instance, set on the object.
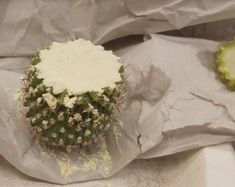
(27, 25)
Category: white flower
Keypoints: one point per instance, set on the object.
(78, 128)
(61, 116)
(94, 125)
(38, 129)
(33, 120)
(88, 119)
(48, 89)
(79, 98)
(45, 126)
(52, 121)
(96, 121)
(53, 135)
(77, 117)
(90, 106)
(35, 90)
(69, 102)
(95, 112)
(70, 136)
(39, 100)
(51, 100)
(62, 130)
(31, 90)
(79, 140)
(38, 115)
(44, 122)
(106, 98)
(70, 120)
(87, 132)
(40, 86)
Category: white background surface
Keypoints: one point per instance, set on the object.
(207, 167)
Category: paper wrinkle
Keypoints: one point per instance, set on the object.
(227, 103)
(188, 138)
(37, 27)
(180, 13)
(219, 30)
(179, 107)
(16, 64)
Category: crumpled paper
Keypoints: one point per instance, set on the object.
(218, 30)
(193, 108)
(29, 25)
(175, 102)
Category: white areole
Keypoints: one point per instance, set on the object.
(78, 66)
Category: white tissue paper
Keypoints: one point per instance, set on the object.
(29, 25)
(175, 102)
(192, 107)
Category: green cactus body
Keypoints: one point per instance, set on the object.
(68, 120)
(225, 61)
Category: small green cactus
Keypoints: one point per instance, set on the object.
(225, 62)
(64, 121)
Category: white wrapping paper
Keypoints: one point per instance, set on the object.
(27, 25)
(174, 103)
(218, 30)
(195, 110)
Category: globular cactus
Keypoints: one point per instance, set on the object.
(67, 120)
(225, 61)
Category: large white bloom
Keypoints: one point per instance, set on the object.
(51, 100)
(69, 102)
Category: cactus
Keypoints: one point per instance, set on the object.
(225, 62)
(66, 121)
